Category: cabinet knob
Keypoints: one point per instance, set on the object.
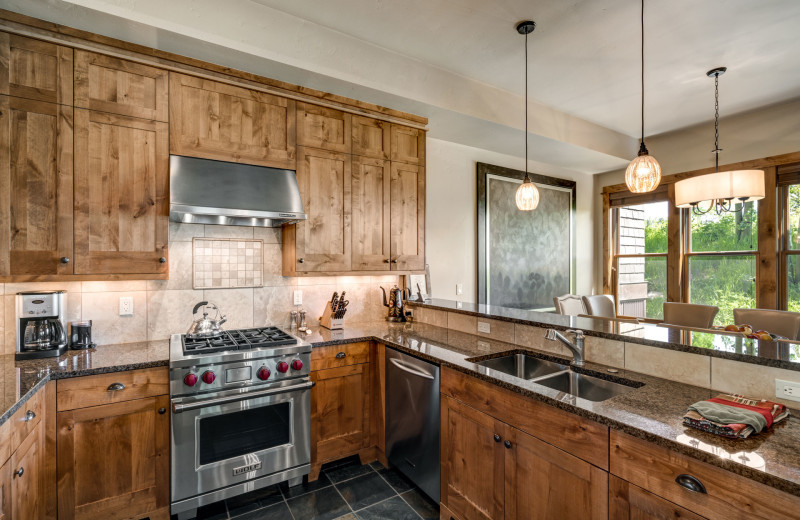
(163, 260)
(394, 260)
(19, 472)
(302, 260)
(64, 259)
(691, 483)
(385, 260)
(340, 355)
(507, 444)
(29, 416)
(496, 438)
(162, 411)
(113, 387)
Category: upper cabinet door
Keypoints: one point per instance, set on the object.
(35, 187)
(323, 128)
(407, 217)
(408, 145)
(213, 120)
(371, 137)
(33, 69)
(120, 87)
(121, 205)
(370, 214)
(323, 241)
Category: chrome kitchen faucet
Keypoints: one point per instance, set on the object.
(577, 348)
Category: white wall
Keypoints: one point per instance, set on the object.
(451, 219)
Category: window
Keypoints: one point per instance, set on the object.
(640, 260)
(722, 255)
(789, 196)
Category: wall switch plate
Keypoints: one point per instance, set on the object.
(459, 288)
(126, 306)
(484, 346)
(485, 327)
(787, 390)
(298, 297)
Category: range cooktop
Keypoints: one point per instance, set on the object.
(242, 339)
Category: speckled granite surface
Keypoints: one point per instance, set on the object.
(780, 354)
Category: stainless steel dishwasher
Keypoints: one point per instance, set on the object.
(412, 419)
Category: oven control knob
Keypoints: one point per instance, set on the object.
(283, 367)
(209, 376)
(190, 380)
(263, 373)
(297, 364)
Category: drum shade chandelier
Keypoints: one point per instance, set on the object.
(643, 173)
(718, 190)
(527, 196)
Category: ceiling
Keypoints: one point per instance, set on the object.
(584, 54)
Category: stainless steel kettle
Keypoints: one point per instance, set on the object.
(206, 327)
(395, 304)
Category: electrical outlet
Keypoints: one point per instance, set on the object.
(485, 327)
(298, 297)
(484, 346)
(787, 390)
(459, 288)
(126, 306)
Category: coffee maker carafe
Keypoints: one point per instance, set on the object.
(41, 330)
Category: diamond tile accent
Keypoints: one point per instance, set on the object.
(227, 263)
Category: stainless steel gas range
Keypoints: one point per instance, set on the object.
(241, 408)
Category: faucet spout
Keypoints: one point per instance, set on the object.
(576, 348)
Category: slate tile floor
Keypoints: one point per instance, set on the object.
(345, 490)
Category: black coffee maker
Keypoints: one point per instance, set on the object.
(41, 330)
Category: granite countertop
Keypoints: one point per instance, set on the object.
(780, 354)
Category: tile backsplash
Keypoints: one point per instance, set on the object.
(164, 307)
(224, 263)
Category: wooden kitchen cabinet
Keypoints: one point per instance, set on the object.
(407, 144)
(5, 490)
(371, 138)
(36, 197)
(36, 70)
(27, 485)
(340, 414)
(121, 201)
(214, 120)
(324, 128)
(121, 87)
(629, 502)
(129, 476)
(370, 208)
(321, 243)
(407, 217)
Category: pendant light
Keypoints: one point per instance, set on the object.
(718, 190)
(643, 173)
(527, 196)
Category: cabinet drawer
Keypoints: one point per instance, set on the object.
(82, 392)
(339, 355)
(727, 495)
(26, 418)
(585, 439)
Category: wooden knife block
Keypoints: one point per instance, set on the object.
(328, 321)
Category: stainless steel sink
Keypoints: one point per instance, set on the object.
(584, 386)
(522, 366)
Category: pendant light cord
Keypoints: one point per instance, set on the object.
(643, 72)
(716, 122)
(527, 179)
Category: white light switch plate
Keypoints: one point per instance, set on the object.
(485, 327)
(126, 306)
(787, 390)
(298, 297)
(459, 288)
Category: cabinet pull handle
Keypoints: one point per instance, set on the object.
(507, 444)
(113, 387)
(19, 472)
(340, 355)
(162, 411)
(302, 260)
(691, 483)
(64, 259)
(29, 416)
(496, 438)
(163, 260)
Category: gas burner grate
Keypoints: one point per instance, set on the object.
(267, 337)
(243, 339)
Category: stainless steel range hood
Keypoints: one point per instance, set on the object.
(203, 191)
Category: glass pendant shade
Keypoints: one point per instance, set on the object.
(643, 174)
(527, 196)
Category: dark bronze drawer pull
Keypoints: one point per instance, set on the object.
(64, 259)
(691, 483)
(162, 411)
(507, 444)
(113, 387)
(29, 416)
(340, 355)
(496, 438)
(19, 472)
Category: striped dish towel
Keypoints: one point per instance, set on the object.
(734, 416)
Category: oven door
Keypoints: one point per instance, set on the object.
(231, 437)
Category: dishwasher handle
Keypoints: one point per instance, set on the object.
(411, 370)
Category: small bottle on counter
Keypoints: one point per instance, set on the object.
(293, 319)
(302, 327)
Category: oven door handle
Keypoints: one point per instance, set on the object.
(178, 407)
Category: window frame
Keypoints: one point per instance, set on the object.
(788, 175)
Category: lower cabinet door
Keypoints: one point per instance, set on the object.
(113, 460)
(472, 462)
(26, 477)
(5, 491)
(629, 502)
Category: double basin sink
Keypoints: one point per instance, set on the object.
(556, 376)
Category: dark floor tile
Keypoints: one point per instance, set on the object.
(323, 504)
(352, 468)
(253, 500)
(397, 480)
(348, 516)
(305, 487)
(422, 504)
(392, 509)
(365, 490)
(377, 466)
(274, 512)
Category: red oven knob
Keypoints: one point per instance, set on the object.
(209, 376)
(263, 373)
(190, 380)
(282, 367)
(297, 364)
